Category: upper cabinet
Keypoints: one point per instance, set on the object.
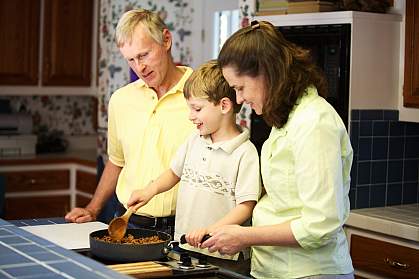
(19, 41)
(48, 47)
(411, 60)
(67, 42)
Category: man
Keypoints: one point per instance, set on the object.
(147, 122)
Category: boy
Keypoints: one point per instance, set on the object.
(218, 167)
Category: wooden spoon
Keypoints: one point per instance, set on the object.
(118, 226)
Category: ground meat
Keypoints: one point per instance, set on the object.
(129, 239)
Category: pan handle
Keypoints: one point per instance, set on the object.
(174, 243)
(183, 238)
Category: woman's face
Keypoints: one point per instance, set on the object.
(250, 90)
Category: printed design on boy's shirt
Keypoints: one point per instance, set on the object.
(212, 182)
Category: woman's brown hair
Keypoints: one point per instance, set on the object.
(260, 49)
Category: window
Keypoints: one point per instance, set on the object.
(225, 23)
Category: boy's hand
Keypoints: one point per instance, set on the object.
(140, 198)
(194, 238)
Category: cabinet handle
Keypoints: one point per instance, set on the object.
(33, 181)
(396, 264)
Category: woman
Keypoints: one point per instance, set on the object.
(305, 163)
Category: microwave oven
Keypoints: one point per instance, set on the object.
(329, 45)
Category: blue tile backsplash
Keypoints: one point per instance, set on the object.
(385, 169)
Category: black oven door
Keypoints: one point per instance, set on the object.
(330, 48)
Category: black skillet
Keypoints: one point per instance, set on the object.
(130, 252)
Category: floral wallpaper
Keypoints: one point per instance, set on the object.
(247, 11)
(70, 115)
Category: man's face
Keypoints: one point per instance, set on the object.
(146, 57)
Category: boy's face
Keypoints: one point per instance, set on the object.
(205, 115)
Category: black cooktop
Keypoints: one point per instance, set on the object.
(192, 270)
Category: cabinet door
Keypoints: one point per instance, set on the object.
(36, 207)
(30, 181)
(19, 41)
(411, 59)
(383, 258)
(86, 182)
(67, 42)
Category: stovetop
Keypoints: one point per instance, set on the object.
(182, 265)
(194, 270)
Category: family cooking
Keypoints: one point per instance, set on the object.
(181, 164)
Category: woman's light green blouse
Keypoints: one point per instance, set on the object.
(306, 173)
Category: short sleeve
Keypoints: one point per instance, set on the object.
(178, 161)
(248, 185)
(115, 151)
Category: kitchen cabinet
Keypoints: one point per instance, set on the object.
(86, 182)
(384, 241)
(36, 207)
(67, 42)
(36, 193)
(49, 45)
(376, 256)
(411, 59)
(46, 187)
(19, 41)
(86, 186)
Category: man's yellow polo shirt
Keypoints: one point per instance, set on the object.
(144, 132)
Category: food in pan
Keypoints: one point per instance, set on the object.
(130, 239)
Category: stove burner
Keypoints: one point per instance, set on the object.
(202, 262)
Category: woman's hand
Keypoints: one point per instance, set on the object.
(226, 240)
(194, 238)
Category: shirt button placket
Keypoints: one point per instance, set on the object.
(206, 155)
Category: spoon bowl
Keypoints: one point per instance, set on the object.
(118, 226)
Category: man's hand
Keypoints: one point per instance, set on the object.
(80, 215)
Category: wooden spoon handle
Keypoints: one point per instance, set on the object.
(128, 213)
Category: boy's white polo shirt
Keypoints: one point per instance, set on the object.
(215, 177)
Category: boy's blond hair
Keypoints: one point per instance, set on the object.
(207, 82)
(131, 19)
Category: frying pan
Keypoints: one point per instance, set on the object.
(130, 252)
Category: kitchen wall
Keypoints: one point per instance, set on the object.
(72, 115)
(386, 159)
(386, 149)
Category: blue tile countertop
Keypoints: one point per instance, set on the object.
(24, 255)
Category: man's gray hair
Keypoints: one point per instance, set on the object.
(131, 19)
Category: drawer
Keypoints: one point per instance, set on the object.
(82, 201)
(36, 207)
(21, 181)
(384, 258)
(86, 182)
